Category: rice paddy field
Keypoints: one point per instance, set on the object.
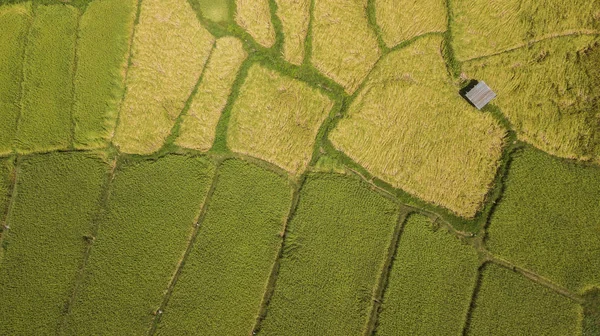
(299, 167)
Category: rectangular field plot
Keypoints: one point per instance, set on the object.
(198, 127)
(45, 122)
(14, 23)
(510, 304)
(168, 52)
(57, 196)
(484, 27)
(334, 252)
(430, 284)
(224, 277)
(104, 34)
(548, 220)
(141, 237)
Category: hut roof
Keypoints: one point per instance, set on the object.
(480, 95)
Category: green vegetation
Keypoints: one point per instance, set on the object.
(547, 220)
(14, 23)
(430, 284)
(104, 34)
(483, 27)
(591, 311)
(224, 277)
(214, 10)
(169, 50)
(444, 151)
(509, 304)
(45, 122)
(6, 170)
(550, 93)
(277, 118)
(141, 237)
(334, 252)
(57, 196)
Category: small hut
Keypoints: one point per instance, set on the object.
(480, 95)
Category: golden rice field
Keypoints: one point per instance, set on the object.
(294, 16)
(198, 126)
(483, 27)
(170, 48)
(550, 93)
(402, 20)
(299, 167)
(409, 128)
(344, 47)
(276, 118)
(255, 17)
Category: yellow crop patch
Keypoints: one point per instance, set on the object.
(170, 48)
(276, 119)
(294, 15)
(255, 17)
(410, 128)
(550, 94)
(484, 27)
(344, 46)
(402, 20)
(199, 125)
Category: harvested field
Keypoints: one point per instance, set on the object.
(549, 92)
(214, 10)
(170, 49)
(224, 278)
(57, 197)
(333, 255)
(294, 16)
(402, 20)
(47, 100)
(198, 127)
(141, 237)
(431, 282)
(277, 118)
(102, 54)
(409, 127)
(548, 220)
(483, 27)
(510, 304)
(254, 16)
(15, 21)
(344, 46)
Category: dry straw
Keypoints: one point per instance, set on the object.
(294, 16)
(255, 17)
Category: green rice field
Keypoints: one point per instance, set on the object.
(299, 167)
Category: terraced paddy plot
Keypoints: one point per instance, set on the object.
(214, 10)
(14, 24)
(47, 100)
(549, 92)
(549, 220)
(102, 53)
(276, 118)
(141, 237)
(254, 16)
(344, 47)
(334, 253)
(431, 282)
(482, 27)
(224, 277)
(294, 16)
(198, 127)
(509, 304)
(410, 128)
(169, 51)
(402, 20)
(57, 196)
